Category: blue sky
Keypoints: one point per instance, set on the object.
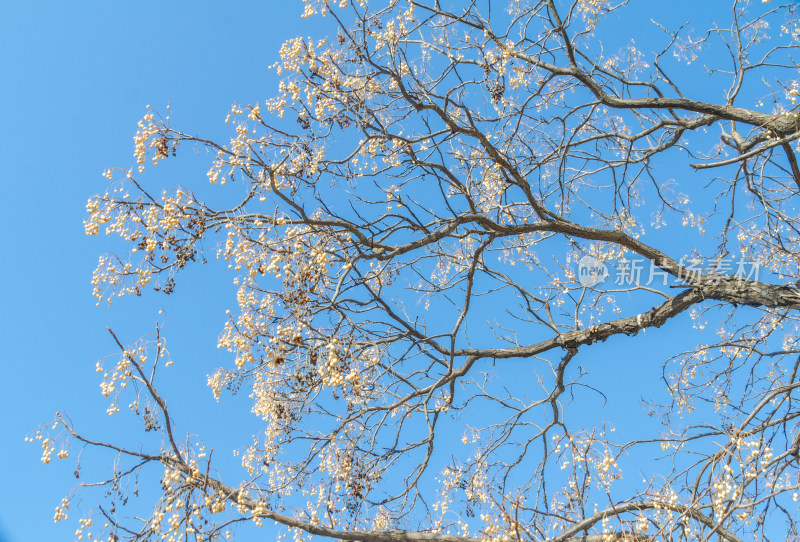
(76, 79)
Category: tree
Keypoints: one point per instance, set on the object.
(434, 203)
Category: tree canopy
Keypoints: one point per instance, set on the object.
(431, 224)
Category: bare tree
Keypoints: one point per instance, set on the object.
(432, 201)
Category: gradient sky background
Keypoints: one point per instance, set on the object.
(76, 77)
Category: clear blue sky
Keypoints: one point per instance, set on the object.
(76, 77)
